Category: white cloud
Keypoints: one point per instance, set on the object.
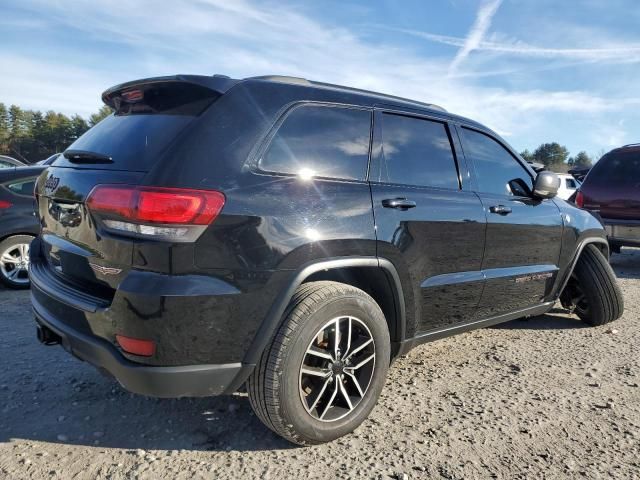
(621, 53)
(479, 29)
(241, 39)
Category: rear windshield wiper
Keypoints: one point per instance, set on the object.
(84, 156)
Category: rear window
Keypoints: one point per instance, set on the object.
(147, 119)
(134, 142)
(620, 168)
(321, 141)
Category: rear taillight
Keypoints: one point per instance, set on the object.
(169, 213)
(4, 204)
(580, 199)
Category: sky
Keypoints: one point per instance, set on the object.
(533, 70)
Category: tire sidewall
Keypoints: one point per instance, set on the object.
(293, 410)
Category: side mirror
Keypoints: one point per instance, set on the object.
(546, 185)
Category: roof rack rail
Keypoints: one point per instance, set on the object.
(283, 79)
(630, 145)
(304, 81)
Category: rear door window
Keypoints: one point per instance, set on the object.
(415, 151)
(321, 141)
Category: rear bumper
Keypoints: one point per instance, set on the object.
(178, 381)
(623, 232)
(198, 353)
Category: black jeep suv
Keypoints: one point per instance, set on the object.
(295, 237)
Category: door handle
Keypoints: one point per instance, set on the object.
(399, 203)
(500, 210)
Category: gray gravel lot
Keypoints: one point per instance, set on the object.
(543, 397)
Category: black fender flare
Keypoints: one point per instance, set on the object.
(572, 265)
(273, 319)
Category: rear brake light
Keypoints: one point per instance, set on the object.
(172, 213)
(136, 346)
(580, 199)
(4, 204)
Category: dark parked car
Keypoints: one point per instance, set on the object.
(611, 191)
(18, 223)
(10, 162)
(295, 237)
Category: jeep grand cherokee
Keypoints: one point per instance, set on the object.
(295, 237)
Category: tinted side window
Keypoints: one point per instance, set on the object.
(321, 141)
(497, 171)
(24, 187)
(570, 183)
(416, 152)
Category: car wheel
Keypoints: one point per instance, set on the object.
(593, 292)
(324, 370)
(14, 261)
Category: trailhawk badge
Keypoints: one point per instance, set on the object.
(104, 270)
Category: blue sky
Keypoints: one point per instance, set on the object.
(533, 70)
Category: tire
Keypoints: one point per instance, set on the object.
(14, 261)
(603, 301)
(283, 395)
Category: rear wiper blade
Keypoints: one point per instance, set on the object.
(84, 156)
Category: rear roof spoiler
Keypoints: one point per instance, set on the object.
(216, 83)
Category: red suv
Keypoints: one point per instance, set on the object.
(611, 190)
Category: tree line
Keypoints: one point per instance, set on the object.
(31, 135)
(556, 157)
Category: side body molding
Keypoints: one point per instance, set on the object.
(272, 320)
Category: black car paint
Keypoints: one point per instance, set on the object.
(445, 266)
(19, 218)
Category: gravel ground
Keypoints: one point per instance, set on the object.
(543, 397)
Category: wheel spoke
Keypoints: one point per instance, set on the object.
(316, 372)
(336, 346)
(344, 393)
(346, 351)
(355, 381)
(330, 402)
(362, 363)
(6, 258)
(315, 351)
(24, 251)
(319, 396)
(13, 273)
(359, 348)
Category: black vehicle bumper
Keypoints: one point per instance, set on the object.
(179, 381)
(188, 360)
(623, 232)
